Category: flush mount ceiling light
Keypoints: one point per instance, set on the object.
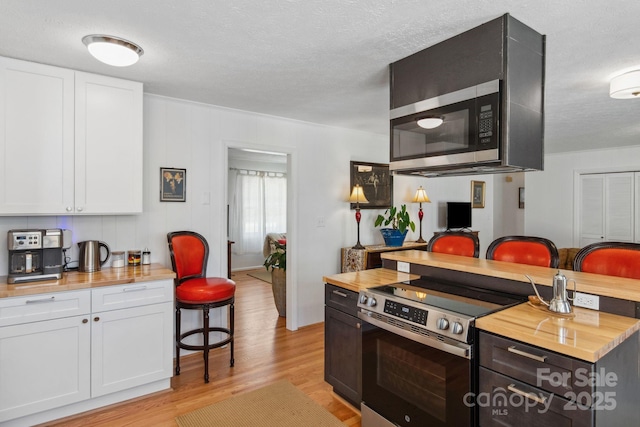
(113, 50)
(625, 86)
(430, 122)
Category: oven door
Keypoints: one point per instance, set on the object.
(413, 384)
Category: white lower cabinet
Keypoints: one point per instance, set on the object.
(120, 348)
(44, 365)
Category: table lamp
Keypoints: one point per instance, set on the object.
(357, 197)
(421, 197)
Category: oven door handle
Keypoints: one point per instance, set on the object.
(457, 349)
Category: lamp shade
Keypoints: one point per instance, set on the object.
(421, 196)
(625, 86)
(430, 122)
(357, 195)
(113, 50)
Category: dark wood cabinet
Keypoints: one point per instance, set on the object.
(343, 344)
(525, 385)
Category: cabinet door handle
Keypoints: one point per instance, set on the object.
(137, 288)
(358, 325)
(85, 320)
(96, 319)
(342, 294)
(541, 400)
(40, 301)
(513, 349)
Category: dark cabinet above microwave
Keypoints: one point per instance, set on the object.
(449, 81)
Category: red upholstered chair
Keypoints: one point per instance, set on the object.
(194, 291)
(455, 243)
(524, 250)
(609, 258)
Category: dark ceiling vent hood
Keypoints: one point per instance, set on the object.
(486, 88)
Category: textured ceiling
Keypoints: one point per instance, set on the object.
(325, 61)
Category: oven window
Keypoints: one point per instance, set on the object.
(405, 380)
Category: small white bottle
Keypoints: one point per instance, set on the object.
(146, 257)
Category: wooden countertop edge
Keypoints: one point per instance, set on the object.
(596, 284)
(522, 323)
(357, 280)
(72, 281)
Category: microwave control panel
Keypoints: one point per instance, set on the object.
(485, 124)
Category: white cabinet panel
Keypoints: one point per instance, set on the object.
(43, 365)
(108, 145)
(131, 295)
(40, 307)
(131, 347)
(36, 137)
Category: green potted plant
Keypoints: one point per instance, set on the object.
(277, 263)
(400, 223)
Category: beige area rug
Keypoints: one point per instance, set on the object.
(276, 405)
(262, 275)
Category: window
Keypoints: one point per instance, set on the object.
(258, 206)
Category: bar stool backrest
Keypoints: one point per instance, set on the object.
(620, 259)
(189, 255)
(455, 243)
(524, 250)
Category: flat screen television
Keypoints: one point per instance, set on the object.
(458, 215)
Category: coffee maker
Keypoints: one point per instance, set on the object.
(36, 254)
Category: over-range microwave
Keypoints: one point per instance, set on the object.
(469, 133)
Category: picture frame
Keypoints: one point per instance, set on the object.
(173, 184)
(376, 181)
(477, 194)
(521, 197)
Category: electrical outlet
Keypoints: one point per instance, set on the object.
(586, 301)
(404, 267)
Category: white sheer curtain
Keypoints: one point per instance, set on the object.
(258, 206)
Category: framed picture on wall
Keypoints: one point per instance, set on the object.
(477, 194)
(521, 197)
(173, 185)
(376, 182)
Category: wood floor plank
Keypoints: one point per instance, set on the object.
(265, 352)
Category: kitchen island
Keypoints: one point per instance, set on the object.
(84, 341)
(575, 369)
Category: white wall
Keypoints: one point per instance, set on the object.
(550, 207)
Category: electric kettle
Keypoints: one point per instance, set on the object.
(89, 259)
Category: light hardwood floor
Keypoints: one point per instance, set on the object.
(265, 352)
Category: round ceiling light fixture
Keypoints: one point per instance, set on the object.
(113, 50)
(430, 122)
(625, 86)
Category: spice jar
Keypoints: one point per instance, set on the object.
(146, 257)
(117, 259)
(133, 258)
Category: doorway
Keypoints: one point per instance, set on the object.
(263, 169)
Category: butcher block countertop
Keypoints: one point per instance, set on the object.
(596, 284)
(357, 280)
(74, 280)
(587, 334)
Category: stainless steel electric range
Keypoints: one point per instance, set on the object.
(418, 357)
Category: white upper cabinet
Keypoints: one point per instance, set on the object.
(36, 138)
(71, 142)
(108, 145)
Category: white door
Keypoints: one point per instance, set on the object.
(131, 347)
(36, 138)
(44, 365)
(591, 209)
(607, 207)
(619, 207)
(108, 134)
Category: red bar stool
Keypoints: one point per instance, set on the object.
(455, 243)
(194, 291)
(524, 250)
(620, 259)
